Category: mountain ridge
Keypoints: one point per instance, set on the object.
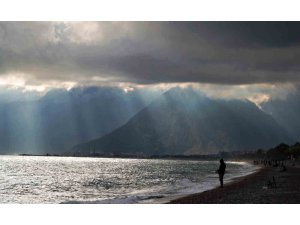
(60, 119)
(184, 121)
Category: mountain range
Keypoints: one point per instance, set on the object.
(144, 121)
(61, 119)
(184, 121)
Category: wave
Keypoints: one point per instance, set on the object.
(182, 187)
(128, 200)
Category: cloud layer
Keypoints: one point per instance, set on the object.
(50, 54)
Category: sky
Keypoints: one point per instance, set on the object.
(254, 60)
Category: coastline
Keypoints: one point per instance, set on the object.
(252, 189)
(173, 198)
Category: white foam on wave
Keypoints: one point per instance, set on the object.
(129, 200)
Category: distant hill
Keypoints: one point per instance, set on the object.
(61, 119)
(286, 112)
(184, 121)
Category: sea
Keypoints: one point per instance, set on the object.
(39, 179)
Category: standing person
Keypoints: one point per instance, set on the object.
(221, 171)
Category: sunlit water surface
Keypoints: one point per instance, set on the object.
(30, 179)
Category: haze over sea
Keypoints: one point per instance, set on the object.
(36, 179)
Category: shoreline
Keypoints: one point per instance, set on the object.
(252, 189)
(181, 199)
(173, 198)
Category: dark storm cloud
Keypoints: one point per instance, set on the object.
(251, 34)
(151, 52)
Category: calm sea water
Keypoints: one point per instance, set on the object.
(29, 179)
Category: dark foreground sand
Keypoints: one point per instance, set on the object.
(253, 189)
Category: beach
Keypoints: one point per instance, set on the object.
(256, 188)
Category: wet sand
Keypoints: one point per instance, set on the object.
(253, 189)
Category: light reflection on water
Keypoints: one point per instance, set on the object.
(34, 179)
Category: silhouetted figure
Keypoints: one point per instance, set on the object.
(221, 171)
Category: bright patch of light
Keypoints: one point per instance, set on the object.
(12, 81)
(22, 82)
(86, 32)
(81, 32)
(257, 93)
(38, 88)
(128, 89)
(259, 98)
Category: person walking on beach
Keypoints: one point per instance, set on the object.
(221, 171)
